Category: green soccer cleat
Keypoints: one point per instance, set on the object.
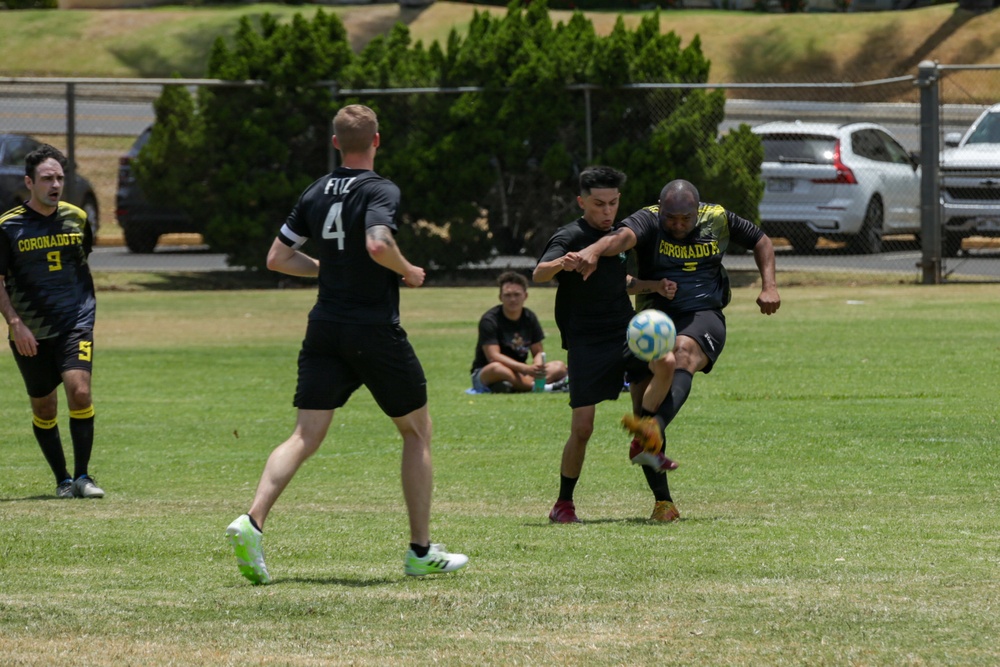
(437, 561)
(248, 543)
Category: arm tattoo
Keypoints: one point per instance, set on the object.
(381, 233)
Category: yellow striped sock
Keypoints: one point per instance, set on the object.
(84, 413)
(43, 423)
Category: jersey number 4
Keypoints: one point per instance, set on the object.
(333, 226)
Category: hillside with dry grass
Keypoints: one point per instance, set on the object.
(742, 46)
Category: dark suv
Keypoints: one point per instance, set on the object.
(141, 221)
(13, 149)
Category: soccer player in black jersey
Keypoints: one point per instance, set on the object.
(353, 338)
(679, 246)
(49, 304)
(592, 317)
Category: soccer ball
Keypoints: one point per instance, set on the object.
(651, 334)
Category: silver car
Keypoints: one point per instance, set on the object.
(970, 182)
(850, 182)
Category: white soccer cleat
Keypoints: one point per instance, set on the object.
(437, 561)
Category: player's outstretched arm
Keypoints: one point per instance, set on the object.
(382, 248)
(546, 271)
(613, 243)
(763, 254)
(288, 260)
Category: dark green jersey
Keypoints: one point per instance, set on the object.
(694, 263)
(43, 260)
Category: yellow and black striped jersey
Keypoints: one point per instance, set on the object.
(694, 263)
(43, 260)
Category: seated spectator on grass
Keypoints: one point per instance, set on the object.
(508, 333)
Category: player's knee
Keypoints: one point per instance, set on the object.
(78, 398)
(582, 433)
(664, 365)
(689, 355)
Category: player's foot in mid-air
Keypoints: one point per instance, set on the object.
(437, 561)
(658, 462)
(646, 430)
(248, 543)
(665, 511)
(564, 512)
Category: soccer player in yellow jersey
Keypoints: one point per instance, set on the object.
(679, 245)
(48, 301)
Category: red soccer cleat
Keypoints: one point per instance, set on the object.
(658, 462)
(564, 512)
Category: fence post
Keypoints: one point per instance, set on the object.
(930, 150)
(70, 184)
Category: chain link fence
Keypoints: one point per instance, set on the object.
(838, 199)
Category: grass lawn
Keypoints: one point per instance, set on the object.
(838, 486)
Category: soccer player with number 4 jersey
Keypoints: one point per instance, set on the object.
(353, 338)
(48, 301)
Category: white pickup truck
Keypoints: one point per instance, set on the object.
(970, 182)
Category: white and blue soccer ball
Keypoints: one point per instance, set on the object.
(651, 334)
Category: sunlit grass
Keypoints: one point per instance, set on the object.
(838, 483)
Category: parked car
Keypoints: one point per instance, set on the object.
(13, 149)
(970, 182)
(142, 221)
(850, 182)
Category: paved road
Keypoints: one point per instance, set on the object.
(165, 259)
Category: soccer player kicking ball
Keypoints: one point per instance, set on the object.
(592, 317)
(679, 245)
(353, 338)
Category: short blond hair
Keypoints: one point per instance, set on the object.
(355, 127)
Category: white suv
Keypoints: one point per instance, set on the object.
(970, 182)
(852, 182)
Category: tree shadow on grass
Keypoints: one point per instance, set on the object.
(148, 60)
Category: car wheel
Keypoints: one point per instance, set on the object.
(868, 240)
(803, 241)
(90, 208)
(140, 239)
(951, 244)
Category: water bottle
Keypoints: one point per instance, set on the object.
(540, 379)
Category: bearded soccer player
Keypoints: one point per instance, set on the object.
(49, 304)
(679, 245)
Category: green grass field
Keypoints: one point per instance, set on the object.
(838, 488)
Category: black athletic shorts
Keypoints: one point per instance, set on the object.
(42, 373)
(598, 372)
(708, 327)
(336, 359)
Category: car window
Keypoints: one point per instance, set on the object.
(806, 148)
(897, 153)
(987, 131)
(866, 143)
(16, 149)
